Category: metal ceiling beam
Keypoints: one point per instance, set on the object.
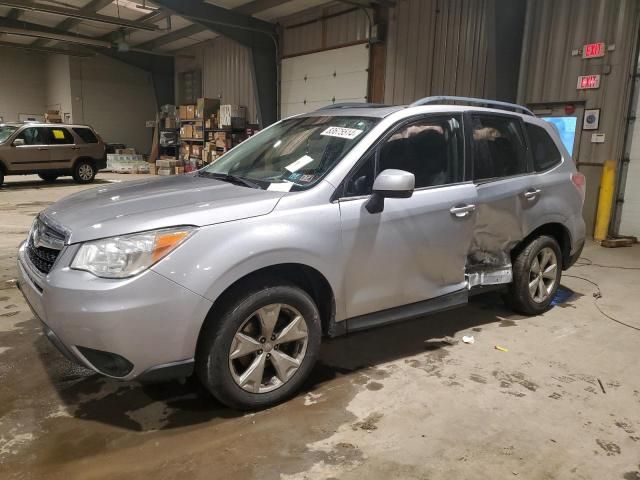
(58, 51)
(37, 33)
(79, 14)
(172, 37)
(258, 6)
(370, 3)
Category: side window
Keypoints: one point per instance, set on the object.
(33, 136)
(544, 150)
(498, 147)
(60, 136)
(361, 182)
(430, 148)
(86, 135)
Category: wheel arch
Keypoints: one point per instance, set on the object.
(555, 230)
(309, 279)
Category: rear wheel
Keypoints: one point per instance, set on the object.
(48, 177)
(261, 347)
(84, 171)
(537, 271)
(1, 177)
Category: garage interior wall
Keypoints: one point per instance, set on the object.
(438, 47)
(322, 28)
(115, 98)
(226, 72)
(23, 84)
(58, 75)
(551, 72)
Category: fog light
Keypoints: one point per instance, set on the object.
(106, 362)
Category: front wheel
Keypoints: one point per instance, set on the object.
(261, 347)
(84, 171)
(537, 270)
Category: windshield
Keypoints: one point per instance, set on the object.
(293, 154)
(6, 131)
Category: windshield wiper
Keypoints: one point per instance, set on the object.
(225, 177)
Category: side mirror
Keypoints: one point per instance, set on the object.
(390, 183)
(18, 142)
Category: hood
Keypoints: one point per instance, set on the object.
(121, 208)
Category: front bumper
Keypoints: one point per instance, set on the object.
(149, 320)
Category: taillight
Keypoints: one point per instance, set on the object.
(580, 182)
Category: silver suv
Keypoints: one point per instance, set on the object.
(323, 224)
(51, 151)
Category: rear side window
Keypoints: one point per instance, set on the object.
(60, 136)
(498, 147)
(544, 150)
(86, 135)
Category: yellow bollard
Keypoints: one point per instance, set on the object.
(605, 200)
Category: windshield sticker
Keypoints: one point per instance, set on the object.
(298, 164)
(306, 178)
(342, 132)
(280, 186)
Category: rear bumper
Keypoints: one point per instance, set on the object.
(148, 320)
(101, 163)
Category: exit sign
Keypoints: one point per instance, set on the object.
(593, 50)
(587, 82)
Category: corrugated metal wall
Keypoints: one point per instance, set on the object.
(438, 47)
(226, 72)
(308, 32)
(551, 72)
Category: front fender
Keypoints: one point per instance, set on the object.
(219, 255)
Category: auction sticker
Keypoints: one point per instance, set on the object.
(298, 164)
(342, 132)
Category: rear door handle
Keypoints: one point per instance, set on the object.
(43, 148)
(531, 194)
(461, 211)
(75, 148)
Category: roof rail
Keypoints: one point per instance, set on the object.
(352, 105)
(473, 101)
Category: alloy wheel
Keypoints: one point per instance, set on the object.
(85, 172)
(268, 348)
(543, 275)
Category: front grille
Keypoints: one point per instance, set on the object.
(41, 257)
(43, 246)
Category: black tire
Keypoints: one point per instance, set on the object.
(519, 296)
(214, 349)
(84, 171)
(1, 177)
(48, 177)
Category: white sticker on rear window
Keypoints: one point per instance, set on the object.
(280, 186)
(298, 164)
(342, 132)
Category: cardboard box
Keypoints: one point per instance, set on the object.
(179, 170)
(182, 112)
(232, 116)
(198, 131)
(170, 122)
(205, 107)
(168, 163)
(125, 151)
(167, 171)
(191, 112)
(186, 131)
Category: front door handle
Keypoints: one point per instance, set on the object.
(462, 211)
(531, 194)
(42, 148)
(75, 148)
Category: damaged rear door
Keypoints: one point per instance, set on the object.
(506, 192)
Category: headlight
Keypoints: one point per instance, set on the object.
(128, 255)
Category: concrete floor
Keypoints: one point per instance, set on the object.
(562, 403)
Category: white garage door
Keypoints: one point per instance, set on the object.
(630, 221)
(318, 79)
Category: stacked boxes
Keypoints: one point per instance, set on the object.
(206, 107)
(186, 131)
(232, 116)
(126, 162)
(52, 116)
(169, 166)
